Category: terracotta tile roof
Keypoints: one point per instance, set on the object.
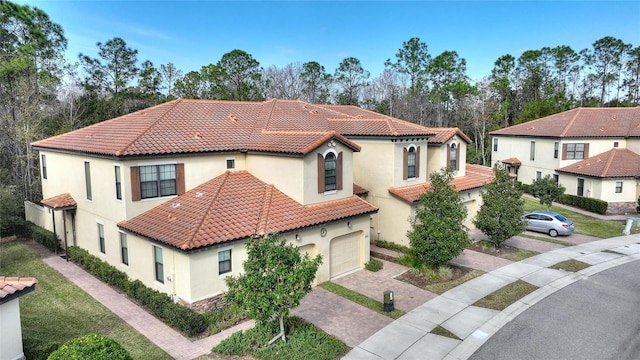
(14, 287)
(232, 206)
(476, 176)
(611, 164)
(512, 161)
(200, 126)
(581, 122)
(442, 135)
(359, 190)
(62, 201)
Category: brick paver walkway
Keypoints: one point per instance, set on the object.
(168, 339)
(477, 260)
(350, 322)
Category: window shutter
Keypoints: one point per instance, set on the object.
(180, 186)
(405, 164)
(564, 151)
(135, 183)
(448, 150)
(339, 172)
(458, 157)
(320, 173)
(586, 150)
(418, 162)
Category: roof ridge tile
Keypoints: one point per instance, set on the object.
(150, 126)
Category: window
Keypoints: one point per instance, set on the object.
(124, 249)
(224, 261)
(231, 164)
(618, 187)
(532, 151)
(580, 191)
(101, 238)
(87, 179)
(118, 182)
(615, 144)
(495, 144)
(157, 181)
(159, 268)
(556, 148)
(329, 172)
(44, 166)
(538, 175)
(453, 157)
(556, 178)
(411, 162)
(576, 151)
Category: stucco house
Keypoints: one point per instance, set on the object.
(11, 289)
(170, 193)
(592, 152)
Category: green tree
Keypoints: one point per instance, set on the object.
(412, 60)
(316, 82)
(114, 70)
(351, 77)
(276, 278)
(502, 207)
(438, 234)
(606, 59)
(240, 76)
(546, 190)
(169, 74)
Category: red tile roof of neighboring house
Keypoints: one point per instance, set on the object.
(581, 122)
(512, 161)
(359, 190)
(62, 201)
(476, 176)
(200, 126)
(233, 206)
(611, 164)
(445, 134)
(14, 287)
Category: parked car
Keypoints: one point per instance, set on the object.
(548, 222)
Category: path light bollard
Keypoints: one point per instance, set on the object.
(388, 301)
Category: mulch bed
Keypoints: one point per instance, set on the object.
(491, 250)
(421, 281)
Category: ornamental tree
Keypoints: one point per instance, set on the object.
(502, 207)
(276, 278)
(438, 234)
(546, 190)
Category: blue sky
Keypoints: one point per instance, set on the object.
(192, 34)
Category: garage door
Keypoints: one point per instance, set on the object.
(345, 254)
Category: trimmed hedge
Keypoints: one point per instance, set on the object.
(586, 203)
(90, 347)
(158, 303)
(41, 235)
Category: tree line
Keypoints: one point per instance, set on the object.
(42, 94)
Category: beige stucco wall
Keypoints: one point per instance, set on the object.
(310, 174)
(438, 156)
(10, 331)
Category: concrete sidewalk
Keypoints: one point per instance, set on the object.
(409, 337)
(165, 337)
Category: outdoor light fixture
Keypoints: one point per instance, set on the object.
(349, 225)
(298, 237)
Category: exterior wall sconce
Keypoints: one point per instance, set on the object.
(349, 224)
(298, 237)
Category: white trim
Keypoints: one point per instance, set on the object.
(330, 192)
(152, 163)
(122, 194)
(218, 251)
(234, 163)
(324, 155)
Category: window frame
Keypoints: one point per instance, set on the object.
(330, 174)
(102, 246)
(556, 149)
(580, 188)
(223, 269)
(573, 154)
(495, 144)
(159, 182)
(43, 163)
(411, 162)
(532, 151)
(124, 248)
(118, 181)
(453, 156)
(619, 185)
(158, 261)
(231, 163)
(538, 175)
(87, 180)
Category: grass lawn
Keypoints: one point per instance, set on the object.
(572, 265)
(358, 298)
(583, 224)
(58, 311)
(507, 295)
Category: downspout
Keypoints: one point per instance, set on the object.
(64, 227)
(55, 237)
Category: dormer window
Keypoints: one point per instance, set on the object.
(329, 172)
(453, 156)
(411, 160)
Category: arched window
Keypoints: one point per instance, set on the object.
(411, 162)
(330, 172)
(453, 157)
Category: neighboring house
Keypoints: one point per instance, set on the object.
(169, 194)
(12, 288)
(592, 152)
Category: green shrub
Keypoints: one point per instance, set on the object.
(90, 347)
(586, 203)
(43, 236)
(391, 246)
(220, 319)
(158, 303)
(38, 350)
(374, 265)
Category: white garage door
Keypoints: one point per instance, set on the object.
(345, 254)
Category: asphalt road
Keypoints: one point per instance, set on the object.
(597, 318)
